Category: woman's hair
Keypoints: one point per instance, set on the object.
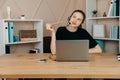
(80, 11)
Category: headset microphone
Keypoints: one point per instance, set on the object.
(69, 22)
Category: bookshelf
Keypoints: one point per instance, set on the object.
(27, 24)
(110, 44)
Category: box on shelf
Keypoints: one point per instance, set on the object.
(99, 30)
(27, 35)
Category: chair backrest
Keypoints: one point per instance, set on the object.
(46, 44)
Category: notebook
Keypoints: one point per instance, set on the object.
(72, 50)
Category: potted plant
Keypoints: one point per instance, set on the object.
(94, 13)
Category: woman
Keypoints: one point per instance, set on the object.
(73, 31)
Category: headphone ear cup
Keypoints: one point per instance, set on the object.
(68, 19)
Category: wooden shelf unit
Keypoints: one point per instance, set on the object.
(25, 24)
(108, 21)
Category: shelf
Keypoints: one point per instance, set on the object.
(108, 39)
(22, 20)
(36, 24)
(107, 43)
(23, 42)
(112, 17)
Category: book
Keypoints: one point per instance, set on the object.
(110, 11)
(117, 7)
(10, 31)
(114, 32)
(118, 32)
(7, 49)
(114, 8)
(6, 32)
(99, 30)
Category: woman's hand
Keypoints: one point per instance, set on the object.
(50, 27)
(53, 57)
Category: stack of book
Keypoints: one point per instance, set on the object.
(114, 32)
(114, 8)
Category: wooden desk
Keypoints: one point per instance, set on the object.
(29, 66)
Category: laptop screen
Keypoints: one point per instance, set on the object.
(72, 50)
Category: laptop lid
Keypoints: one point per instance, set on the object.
(72, 50)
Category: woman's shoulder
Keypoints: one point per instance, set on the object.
(81, 29)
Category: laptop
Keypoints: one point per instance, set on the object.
(72, 50)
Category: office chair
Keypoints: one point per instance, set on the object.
(46, 44)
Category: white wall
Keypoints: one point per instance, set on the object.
(48, 10)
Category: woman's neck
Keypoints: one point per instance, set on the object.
(71, 28)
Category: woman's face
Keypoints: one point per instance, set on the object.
(76, 19)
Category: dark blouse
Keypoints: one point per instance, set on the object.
(81, 34)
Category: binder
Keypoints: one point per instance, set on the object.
(118, 32)
(117, 7)
(10, 31)
(114, 8)
(6, 32)
(110, 12)
(114, 32)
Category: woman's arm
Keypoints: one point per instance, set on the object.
(96, 49)
(53, 38)
(53, 43)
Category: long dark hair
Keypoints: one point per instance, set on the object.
(80, 11)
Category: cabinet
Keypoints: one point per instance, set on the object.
(110, 44)
(21, 46)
